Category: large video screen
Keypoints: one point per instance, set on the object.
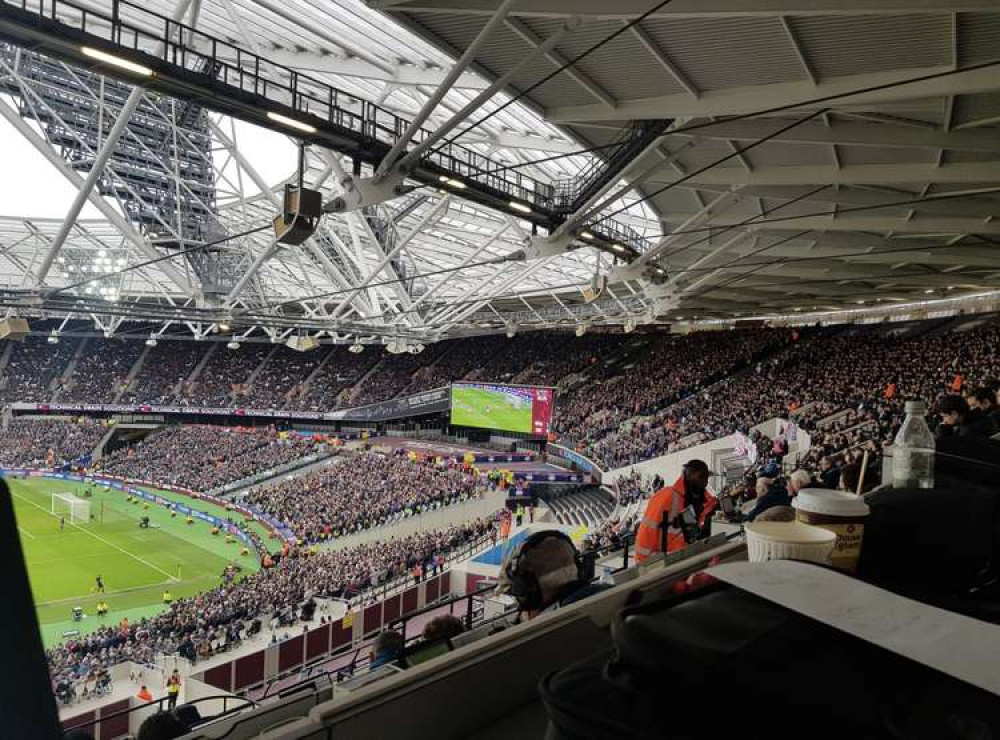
(511, 408)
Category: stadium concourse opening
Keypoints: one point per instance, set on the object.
(434, 368)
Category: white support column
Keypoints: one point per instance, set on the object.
(383, 263)
(116, 219)
(719, 204)
(468, 259)
(264, 256)
(87, 186)
(454, 73)
(476, 103)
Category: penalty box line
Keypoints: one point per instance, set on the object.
(97, 537)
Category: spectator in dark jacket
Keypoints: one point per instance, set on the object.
(958, 420)
(984, 413)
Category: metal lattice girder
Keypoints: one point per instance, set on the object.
(191, 64)
(751, 257)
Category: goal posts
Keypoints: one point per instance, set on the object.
(67, 504)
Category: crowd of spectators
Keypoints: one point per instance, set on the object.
(363, 492)
(166, 367)
(225, 377)
(33, 366)
(283, 374)
(848, 392)
(610, 418)
(642, 395)
(534, 359)
(203, 458)
(101, 371)
(459, 359)
(276, 596)
(48, 443)
(330, 388)
(550, 361)
(395, 374)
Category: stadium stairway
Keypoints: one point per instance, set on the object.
(354, 390)
(302, 392)
(64, 379)
(5, 357)
(132, 373)
(255, 373)
(196, 371)
(274, 476)
(586, 507)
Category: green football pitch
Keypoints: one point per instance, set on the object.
(478, 407)
(137, 565)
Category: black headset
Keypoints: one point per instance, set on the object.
(524, 585)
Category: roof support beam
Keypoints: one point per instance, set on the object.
(428, 218)
(403, 75)
(755, 98)
(464, 263)
(126, 229)
(663, 59)
(976, 205)
(866, 174)
(86, 188)
(246, 277)
(799, 52)
(442, 89)
(500, 83)
(851, 133)
(268, 193)
(608, 103)
(626, 9)
(876, 224)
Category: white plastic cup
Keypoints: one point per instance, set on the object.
(789, 541)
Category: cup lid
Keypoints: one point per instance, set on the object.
(833, 503)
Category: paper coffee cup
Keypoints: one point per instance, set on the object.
(844, 514)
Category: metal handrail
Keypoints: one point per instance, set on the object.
(388, 588)
(159, 704)
(152, 34)
(368, 126)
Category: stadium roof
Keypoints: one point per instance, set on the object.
(816, 155)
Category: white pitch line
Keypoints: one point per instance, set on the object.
(101, 539)
(22, 530)
(102, 594)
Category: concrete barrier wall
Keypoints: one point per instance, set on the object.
(669, 466)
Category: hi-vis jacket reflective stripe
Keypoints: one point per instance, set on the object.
(647, 540)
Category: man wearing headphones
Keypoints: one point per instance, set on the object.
(683, 512)
(544, 573)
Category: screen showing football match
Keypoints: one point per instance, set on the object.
(512, 408)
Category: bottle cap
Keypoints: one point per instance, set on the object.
(916, 407)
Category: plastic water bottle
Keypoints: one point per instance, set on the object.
(913, 450)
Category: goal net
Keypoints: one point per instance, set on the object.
(75, 508)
